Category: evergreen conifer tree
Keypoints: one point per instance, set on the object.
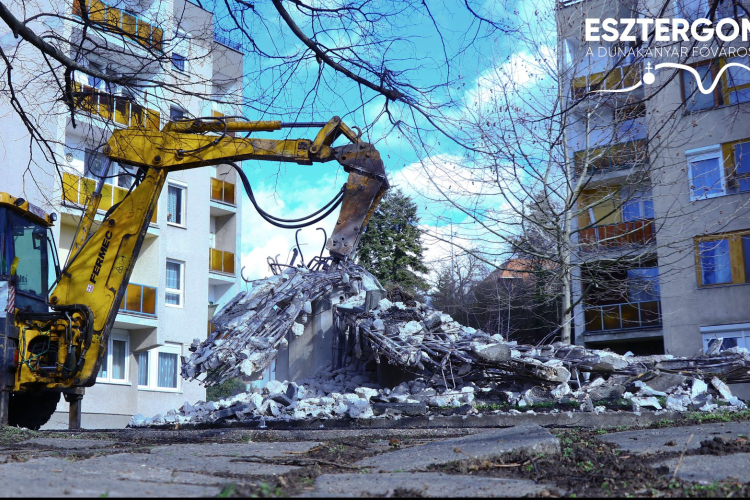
(391, 247)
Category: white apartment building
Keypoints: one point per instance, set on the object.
(189, 263)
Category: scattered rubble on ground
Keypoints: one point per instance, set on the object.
(454, 367)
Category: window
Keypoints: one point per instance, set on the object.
(741, 172)
(738, 81)
(94, 164)
(176, 114)
(143, 368)
(737, 335)
(178, 61)
(158, 369)
(174, 283)
(706, 173)
(637, 204)
(693, 98)
(643, 284)
(115, 364)
(176, 205)
(125, 176)
(696, 9)
(723, 259)
(167, 370)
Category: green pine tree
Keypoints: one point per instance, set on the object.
(391, 246)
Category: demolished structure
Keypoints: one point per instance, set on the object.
(445, 365)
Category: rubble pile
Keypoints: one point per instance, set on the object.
(454, 368)
(252, 327)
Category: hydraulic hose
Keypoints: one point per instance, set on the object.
(299, 223)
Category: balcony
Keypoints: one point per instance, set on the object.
(612, 79)
(222, 191)
(120, 22)
(629, 315)
(220, 261)
(619, 156)
(77, 189)
(139, 299)
(114, 108)
(618, 235)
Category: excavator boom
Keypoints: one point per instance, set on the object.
(87, 295)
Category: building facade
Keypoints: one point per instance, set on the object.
(662, 174)
(189, 263)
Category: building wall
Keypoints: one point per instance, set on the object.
(111, 403)
(688, 310)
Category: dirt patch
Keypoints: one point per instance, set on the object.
(590, 468)
(331, 457)
(720, 446)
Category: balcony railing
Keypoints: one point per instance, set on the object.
(617, 78)
(226, 42)
(140, 299)
(639, 232)
(222, 191)
(121, 22)
(623, 316)
(119, 109)
(77, 189)
(619, 156)
(220, 261)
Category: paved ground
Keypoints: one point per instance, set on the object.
(497, 462)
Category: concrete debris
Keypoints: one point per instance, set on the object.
(452, 368)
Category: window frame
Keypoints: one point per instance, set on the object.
(183, 204)
(181, 59)
(725, 81)
(181, 290)
(740, 275)
(148, 368)
(153, 368)
(702, 154)
(107, 362)
(718, 93)
(738, 331)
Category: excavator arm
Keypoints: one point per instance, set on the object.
(86, 298)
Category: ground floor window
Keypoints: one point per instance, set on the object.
(115, 365)
(158, 369)
(737, 335)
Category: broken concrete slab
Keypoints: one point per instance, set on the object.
(666, 381)
(57, 477)
(251, 449)
(411, 409)
(649, 441)
(68, 444)
(709, 468)
(529, 439)
(424, 484)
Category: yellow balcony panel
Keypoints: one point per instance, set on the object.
(152, 119)
(228, 262)
(215, 260)
(106, 105)
(97, 12)
(70, 187)
(106, 202)
(129, 24)
(122, 111)
(88, 186)
(144, 33)
(139, 299)
(157, 36)
(114, 17)
(149, 300)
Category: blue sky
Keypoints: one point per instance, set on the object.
(312, 93)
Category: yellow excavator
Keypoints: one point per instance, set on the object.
(55, 323)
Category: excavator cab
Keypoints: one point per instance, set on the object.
(28, 258)
(28, 268)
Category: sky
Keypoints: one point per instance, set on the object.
(309, 93)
